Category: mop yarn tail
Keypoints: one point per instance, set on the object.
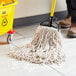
(45, 48)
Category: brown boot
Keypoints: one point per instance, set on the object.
(72, 31)
(66, 23)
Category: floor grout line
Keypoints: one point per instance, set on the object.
(19, 34)
(15, 45)
(57, 71)
(22, 36)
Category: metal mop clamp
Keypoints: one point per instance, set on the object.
(52, 19)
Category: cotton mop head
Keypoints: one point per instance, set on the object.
(45, 47)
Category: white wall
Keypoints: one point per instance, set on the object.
(27, 8)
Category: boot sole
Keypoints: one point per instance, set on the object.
(72, 36)
(65, 27)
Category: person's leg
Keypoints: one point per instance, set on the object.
(66, 23)
(72, 30)
(68, 6)
(73, 6)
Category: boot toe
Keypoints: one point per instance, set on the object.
(72, 34)
(64, 25)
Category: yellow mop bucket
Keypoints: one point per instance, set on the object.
(7, 8)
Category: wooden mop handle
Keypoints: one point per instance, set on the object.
(53, 8)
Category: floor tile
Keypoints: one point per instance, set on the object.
(17, 36)
(27, 30)
(12, 67)
(68, 68)
(22, 41)
(5, 48)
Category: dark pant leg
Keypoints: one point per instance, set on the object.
(73, 13)
(68, 6)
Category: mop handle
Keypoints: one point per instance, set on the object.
(53, 8)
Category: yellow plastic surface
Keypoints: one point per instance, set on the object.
(6, 17)
(53, 8)
(6, 1)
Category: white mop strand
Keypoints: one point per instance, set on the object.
(45, 48)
